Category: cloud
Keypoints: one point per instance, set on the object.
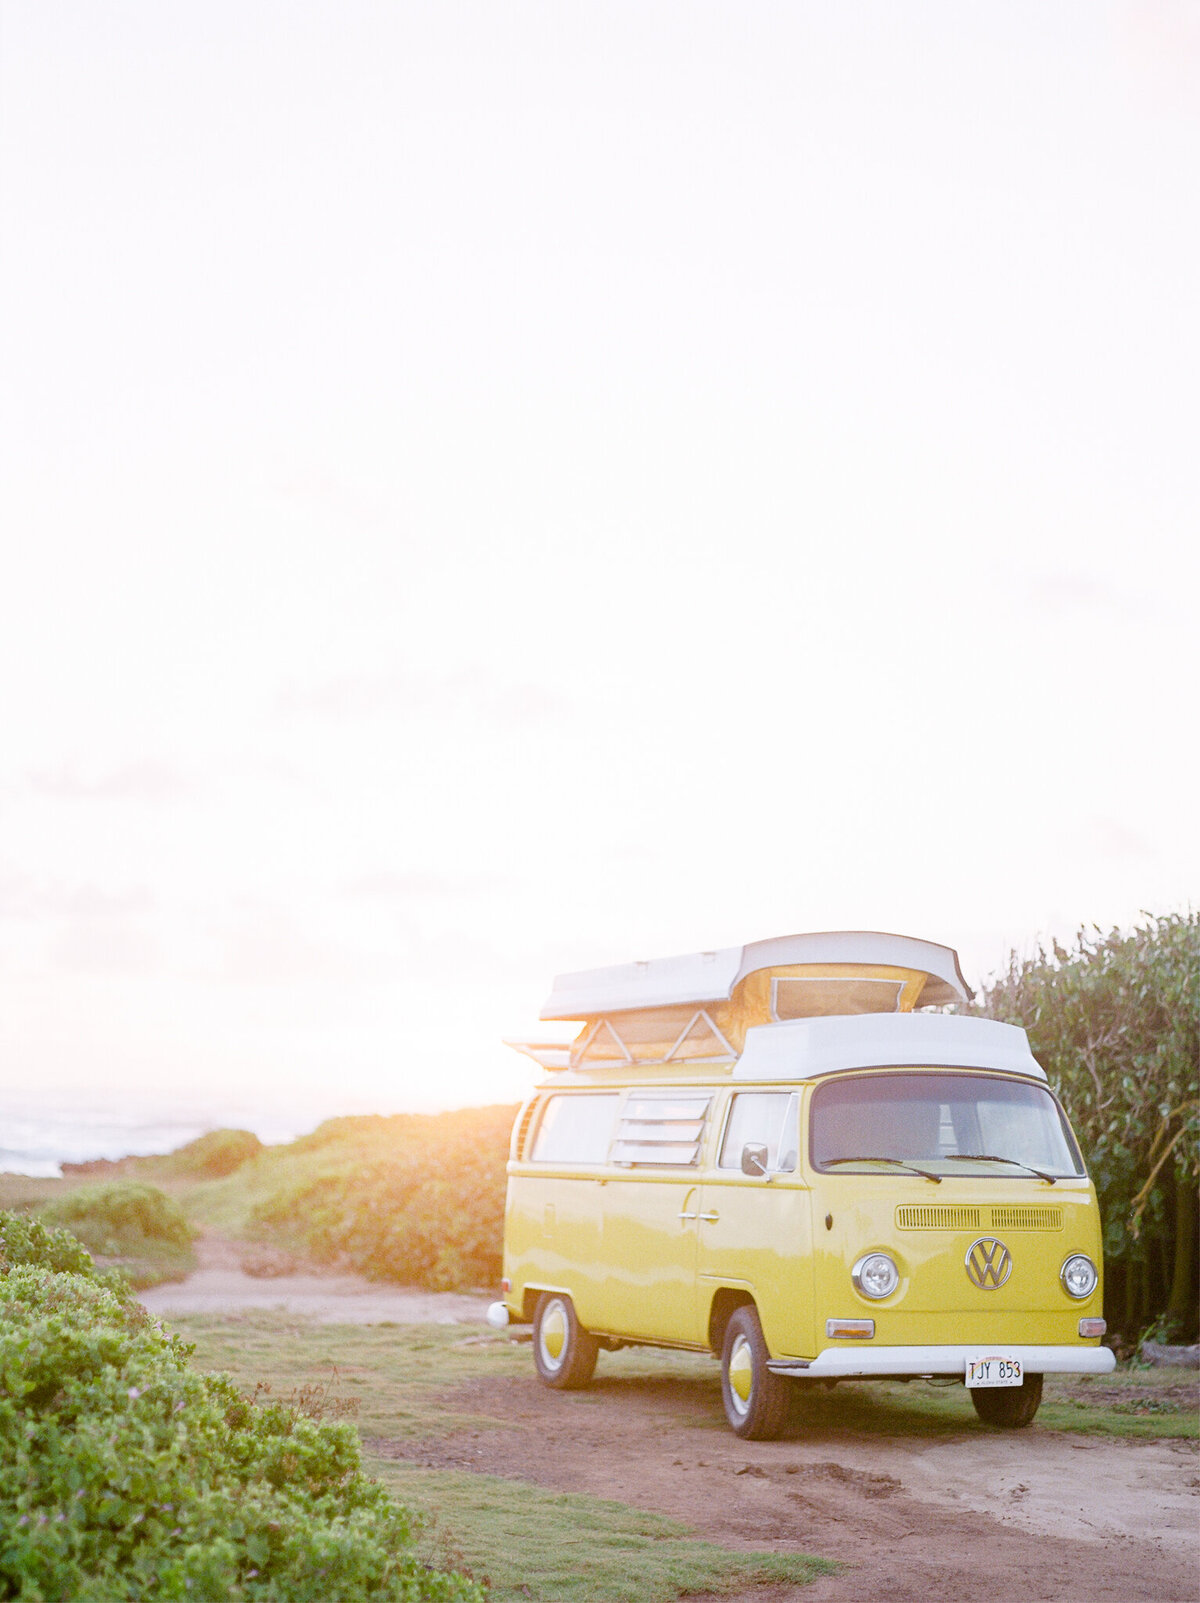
(1067, 592)
(1108, 838)
(472, 693)
(273, 949)
(147, 780)
(84, 947)
(329, 493)
(393, 886)
(22, 896)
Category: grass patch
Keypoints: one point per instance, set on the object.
(524, 1543)
(399, 1374)
(405, 1376)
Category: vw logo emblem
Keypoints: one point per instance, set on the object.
(989, 1263)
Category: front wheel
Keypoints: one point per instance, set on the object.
(1008, 1407)
(563, 1352)
(756, 1401)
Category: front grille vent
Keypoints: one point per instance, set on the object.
(938, 1216)
(1016, 1218)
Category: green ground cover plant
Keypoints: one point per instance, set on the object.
(28, 1241)
(130, 1225)
(126, 1474)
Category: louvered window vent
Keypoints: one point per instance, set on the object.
(665, 1130)
(521, 1135)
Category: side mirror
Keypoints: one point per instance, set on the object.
(754, 1160)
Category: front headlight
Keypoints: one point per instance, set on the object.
(875, 1275)
(1078, 1275)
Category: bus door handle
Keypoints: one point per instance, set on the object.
(686, 1215)
(709, 1218)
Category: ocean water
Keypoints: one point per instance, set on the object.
(38, 1134)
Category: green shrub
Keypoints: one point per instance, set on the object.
(1115, 1021)
(28, 1241)
(137, 1226)
(120, 1218)
(210, 1157)
(125, 1475)
(427, 1208)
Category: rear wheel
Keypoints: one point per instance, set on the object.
(1008, 1407)
(563, 1352)
(757, 1402)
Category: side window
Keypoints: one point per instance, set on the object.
(765, 1118)
(575, 1129)
(661, 1130)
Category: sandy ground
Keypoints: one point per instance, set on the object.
(1035, 1516)
(221, 1283)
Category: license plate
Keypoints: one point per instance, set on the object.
(993, 1369)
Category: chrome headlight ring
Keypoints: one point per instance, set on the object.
(875, 1275)
(1079, 1276)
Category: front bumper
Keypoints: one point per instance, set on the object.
(837, 1361)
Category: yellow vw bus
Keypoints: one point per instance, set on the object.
(779, 1154)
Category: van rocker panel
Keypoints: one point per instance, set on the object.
(948, 1360)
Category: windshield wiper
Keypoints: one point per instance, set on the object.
(991, 1157)
(900, 1163)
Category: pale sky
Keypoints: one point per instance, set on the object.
(495, 489)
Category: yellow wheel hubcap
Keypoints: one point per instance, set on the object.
(554, 1332)
(741, 1370)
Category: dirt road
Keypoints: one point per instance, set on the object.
(222, 1283)
(977, 1516)
(969, 1516)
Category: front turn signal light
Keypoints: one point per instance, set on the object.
(1092, 1327)
(850, 1329)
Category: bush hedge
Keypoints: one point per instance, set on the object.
(125, 1475)
(1115, 1021)
(425, 1208)
(209, 1157)
(120, 1218)
(137, 1227)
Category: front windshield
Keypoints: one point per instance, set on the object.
(950, 1120)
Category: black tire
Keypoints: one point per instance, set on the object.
(757, 1403)
(564, 1353)
(1008, 1407)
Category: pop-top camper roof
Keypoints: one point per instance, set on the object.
(702, 977)
(674, 1010)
